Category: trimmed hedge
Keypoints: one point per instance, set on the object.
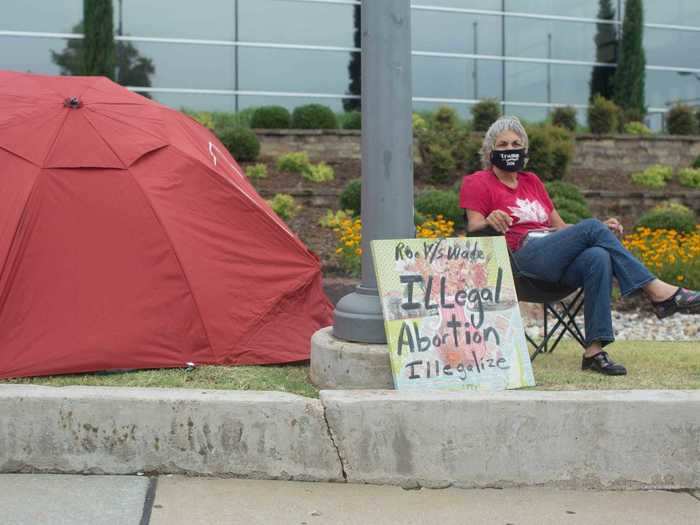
(569, 201)
(352, 120)
(485, 113)
(565, 118)
(550, 151)
(670, 216)
(351, 196)
(440, 202)
(314, 116)
(271, 117)
(680, 120)
(603, 116)
(242, 143)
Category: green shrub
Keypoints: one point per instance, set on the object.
(445, 118)
(440, 202)
(655, 176)
(565, 118)
(689, 177)
(696, 162)
(419, 124)
(242, 143)
(351, 196)
(636, 128)
(320, 172)
(550, 151)
(271, 117)
(294, 163)
(284, 205)
(680, 120)
(257, 171)
(669, 216)
(204, 118)
(467, 154)
(229, 119)
(314, 116)
(332, 219)
(441, 162)
(485, 113)
(603, 116)
(352, 120)
(569, 201)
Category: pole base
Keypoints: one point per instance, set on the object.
(358, 317)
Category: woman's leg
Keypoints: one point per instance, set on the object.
(549, 257)
(592, 270)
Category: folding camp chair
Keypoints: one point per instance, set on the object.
(552, 297)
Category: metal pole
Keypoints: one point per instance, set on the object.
(503, 54)
(235, 54)
(475, 72)
(549, 70)
(387, 157)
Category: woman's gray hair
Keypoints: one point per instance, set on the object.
(502, 124)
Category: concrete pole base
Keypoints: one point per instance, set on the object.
(343, 365)
(358, 317)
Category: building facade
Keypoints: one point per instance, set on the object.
(531, 55)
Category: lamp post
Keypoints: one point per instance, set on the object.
(387, 157)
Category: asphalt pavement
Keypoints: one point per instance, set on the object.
(39, 499)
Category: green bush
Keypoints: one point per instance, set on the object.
(603, 116)
(351, 196)
(569, 201)
(294, 163)
(485, 113)
(284, 205)
(445, 118)
(565, 118)
(550, 151)
(229, 119)
(467, 154)
(242, 143)
(314, 116)
(680, 120)
(271, 117)
(655, 176)
(696, 162)
(204, 118)
(352, 120)
(320, 172)
(689, 177)
(441, 162)
(670, 216)
(440, 202)
(419, 124)
(637, 128)
(257, 171)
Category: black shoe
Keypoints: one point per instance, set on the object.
(684, 301)
(602, 364)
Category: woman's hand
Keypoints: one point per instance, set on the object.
(615, 226)
(499, 221)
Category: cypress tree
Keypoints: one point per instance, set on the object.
(355, 65)
(629, 78)
(605, 52)
(98, 46)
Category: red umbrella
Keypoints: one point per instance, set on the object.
(129, 238)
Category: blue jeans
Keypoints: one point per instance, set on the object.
(586, 254)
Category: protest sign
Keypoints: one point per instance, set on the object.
(451, 314)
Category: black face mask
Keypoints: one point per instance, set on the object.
(509, 159)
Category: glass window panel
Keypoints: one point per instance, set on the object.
(454, 78)
(526, 113)
(526, 82)
(491, 5)
(569, 84)
(463, 110)
(295, 71)
(675, 12)
(32, 55)
(569, 40)
(665, 47)
(40, 15)
(296, 23)
(455, 33)
(189, 66)
(663, 88)
(580, 8)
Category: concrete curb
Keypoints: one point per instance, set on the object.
(266, 435)
(609, 439)
(594, 439)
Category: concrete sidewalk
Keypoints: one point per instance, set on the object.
(57, 499)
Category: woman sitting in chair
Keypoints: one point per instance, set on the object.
(587, 254)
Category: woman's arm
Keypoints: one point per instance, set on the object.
(497, 219)
(556, 221)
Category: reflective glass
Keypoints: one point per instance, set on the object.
(663, 88)
(40, 15)
(531, 38)
(456, 33)
(32, 55)
(578, 8)
(456, 78)
(666, 47)
(675, 12)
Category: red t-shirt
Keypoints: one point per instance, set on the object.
(528, 205)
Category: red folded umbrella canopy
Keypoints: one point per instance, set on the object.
(129, 238)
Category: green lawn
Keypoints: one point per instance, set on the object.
(650, 365)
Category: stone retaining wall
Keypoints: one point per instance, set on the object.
(614, 154)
